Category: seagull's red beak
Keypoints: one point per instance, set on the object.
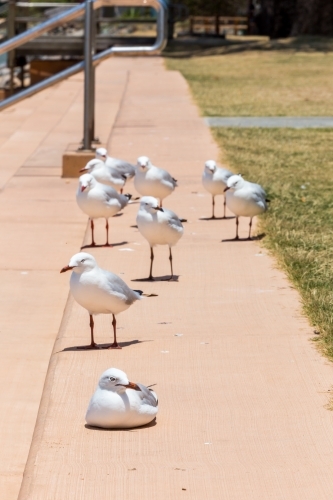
(83, 188)
(66, 268)
(226, 189)
(131, 385)
(83, 169)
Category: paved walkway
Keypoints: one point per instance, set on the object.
(242, 391)
(270, 121)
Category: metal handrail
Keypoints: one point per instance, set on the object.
(159, 44)
(41, 28)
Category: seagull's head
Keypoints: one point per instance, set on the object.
(91, 165)
(86, 181)
(80, 262)
(143, 163)
(101, 154)
(150, 204)
(116, 381)
(235, 182)
(210, 166)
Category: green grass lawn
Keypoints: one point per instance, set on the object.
(239, 79)
(294, 166)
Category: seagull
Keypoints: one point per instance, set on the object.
(245, 199)
(99, 291)
(99, 201)
(124, 167)
(105, 174)
(214, 180)
(120, 404)
(153, 181)
(159, 226)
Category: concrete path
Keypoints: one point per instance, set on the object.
(270, 121)
(242, 391)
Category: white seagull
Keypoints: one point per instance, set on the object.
(214, 180)
(104, 174)
(99, 201)
(99, 291)
(153, 181)
(245, 199)
(159, 226)
(124, 167)
(120, 404)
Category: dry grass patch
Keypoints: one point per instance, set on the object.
(290, 78)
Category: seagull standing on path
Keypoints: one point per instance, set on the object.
(99, 291)
(99, 201)
(124, 167)
(245, 199)
(214, 180)
(120, 404)
(104, 174)
(159, 226)
(153, 181)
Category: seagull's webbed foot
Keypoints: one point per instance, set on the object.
(115, 345)
(91, 346)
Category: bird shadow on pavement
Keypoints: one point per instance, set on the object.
(102, 346)
(241, 240)
(130, 429)
(159, 278)
(217, 218)
(105, 246)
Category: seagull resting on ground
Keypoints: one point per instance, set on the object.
(214, 180)
(159, 226)
(245, 199)
(99, 291)
(153, 181)
(99, 201)
(120, 404)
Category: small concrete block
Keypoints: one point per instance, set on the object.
(73, 161)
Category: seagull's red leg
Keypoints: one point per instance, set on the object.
(115, 344)
(213, 204)
(237, 224)
(250, 226)
(170, 259)
(92, 345)
(151, 263)
(92, 232)
(107, 244)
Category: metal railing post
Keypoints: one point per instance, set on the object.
(93, 77)
(11, 34)
(87, 113)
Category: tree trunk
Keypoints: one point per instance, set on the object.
(313, 17)
(283, 18)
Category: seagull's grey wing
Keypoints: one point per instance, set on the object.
(117, 285)
(260, 190)
(173, 219)
(124, 167)
(147, 396)
(167, 177)
(116, 174)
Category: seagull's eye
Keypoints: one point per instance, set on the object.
(83, 260)
(112, 379)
